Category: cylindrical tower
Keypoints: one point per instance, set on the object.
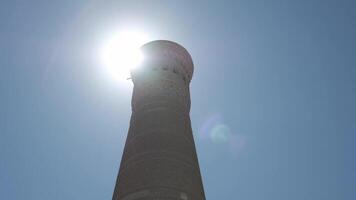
(159, 159)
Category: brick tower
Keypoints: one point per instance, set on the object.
(159, 160)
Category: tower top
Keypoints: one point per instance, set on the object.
(171, 53)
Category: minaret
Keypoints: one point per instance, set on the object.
(159, 160)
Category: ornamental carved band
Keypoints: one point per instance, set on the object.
(159, 160)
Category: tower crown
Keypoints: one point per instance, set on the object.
(164, 55)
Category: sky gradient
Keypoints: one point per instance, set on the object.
(273, 96)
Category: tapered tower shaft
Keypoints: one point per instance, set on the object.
(159, 159)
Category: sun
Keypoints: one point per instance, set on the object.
(121, 53)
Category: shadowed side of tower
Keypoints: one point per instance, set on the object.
(159, 159)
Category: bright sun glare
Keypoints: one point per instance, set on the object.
(121, 53)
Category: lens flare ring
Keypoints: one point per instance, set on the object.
(215, 130)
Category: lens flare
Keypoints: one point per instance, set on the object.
(215, 130)
(211, 121)
(220, 133)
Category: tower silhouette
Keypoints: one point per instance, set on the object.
(159, 161)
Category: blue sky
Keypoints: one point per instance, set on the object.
(273, 96)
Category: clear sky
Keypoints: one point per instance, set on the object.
(273, 96)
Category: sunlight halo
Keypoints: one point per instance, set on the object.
(121, 53)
